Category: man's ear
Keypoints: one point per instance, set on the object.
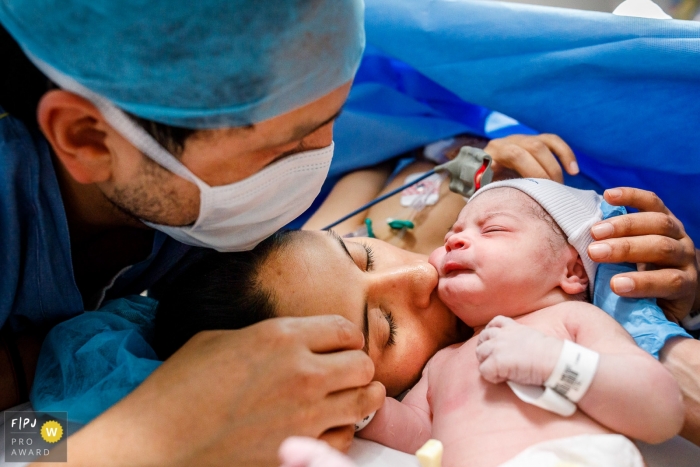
(76, 131)
(576, 279)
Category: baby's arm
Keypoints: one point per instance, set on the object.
(631, 393)
(405, 425)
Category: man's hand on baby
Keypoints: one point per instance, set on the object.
(531, 156)
(250, 389)
(654, 239)
(509, 351)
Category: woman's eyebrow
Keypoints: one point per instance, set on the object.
(365, 318)
(342, 244)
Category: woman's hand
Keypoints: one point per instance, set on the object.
(531, 156)
(654, 239)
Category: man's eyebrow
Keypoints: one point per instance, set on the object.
(304, 131)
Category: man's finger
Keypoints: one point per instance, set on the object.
(323, 333)
(351, 405)
(656, 249)
(661, 283)
(639, 199)
(340, 437)
(563, 151)
(641, 223)
(342, 370)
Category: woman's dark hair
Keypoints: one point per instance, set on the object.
(216, 291)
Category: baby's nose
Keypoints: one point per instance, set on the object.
(455, 241)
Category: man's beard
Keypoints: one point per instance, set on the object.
(150, 199)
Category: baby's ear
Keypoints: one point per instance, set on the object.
(576, 280)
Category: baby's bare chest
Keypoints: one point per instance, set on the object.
(481, 420)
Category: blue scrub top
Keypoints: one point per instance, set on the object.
(38, 288)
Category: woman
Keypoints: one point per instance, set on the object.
(387, 291)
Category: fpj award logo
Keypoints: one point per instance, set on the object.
(35, 437)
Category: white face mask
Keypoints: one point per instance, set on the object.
(233, 217)
(238, 216)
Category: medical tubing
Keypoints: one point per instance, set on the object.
(380, 199)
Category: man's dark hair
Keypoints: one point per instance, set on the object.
(217, 291)
(171, 138)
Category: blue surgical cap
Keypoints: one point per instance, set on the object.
(195, 64)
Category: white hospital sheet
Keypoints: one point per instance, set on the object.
(676, 452)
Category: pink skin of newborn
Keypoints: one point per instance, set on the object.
(505, 272)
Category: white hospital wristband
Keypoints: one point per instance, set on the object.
(574, 371)
(544, 398)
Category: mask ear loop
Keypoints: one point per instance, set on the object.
(126, 127)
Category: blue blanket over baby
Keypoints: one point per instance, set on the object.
(641, 317)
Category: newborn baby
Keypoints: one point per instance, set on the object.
(516, 270)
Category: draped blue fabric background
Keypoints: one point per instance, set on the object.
(623, 92)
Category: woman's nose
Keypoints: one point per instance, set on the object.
(456, 241)
(411, 283)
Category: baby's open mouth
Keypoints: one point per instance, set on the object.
(451, 268)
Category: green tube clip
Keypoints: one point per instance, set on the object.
(399, 224)
(368, 225)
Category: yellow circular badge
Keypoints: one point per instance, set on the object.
(52, 431)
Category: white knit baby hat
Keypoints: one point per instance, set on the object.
(574, 210)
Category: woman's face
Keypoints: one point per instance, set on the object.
(391, 294)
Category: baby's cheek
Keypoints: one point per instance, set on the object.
(435, 258)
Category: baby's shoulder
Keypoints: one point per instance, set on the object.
(565, 310)
(563, 319)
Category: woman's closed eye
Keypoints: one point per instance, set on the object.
(369, 261)
(392, 329)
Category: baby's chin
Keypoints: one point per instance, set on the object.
(455, 298)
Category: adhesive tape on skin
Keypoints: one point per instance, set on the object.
(544, 398)
(430, 454)
(364, 422)
(574, 371)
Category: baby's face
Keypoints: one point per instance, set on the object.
(499, 258)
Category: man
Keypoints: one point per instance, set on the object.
(228, 91)
(159, 109)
